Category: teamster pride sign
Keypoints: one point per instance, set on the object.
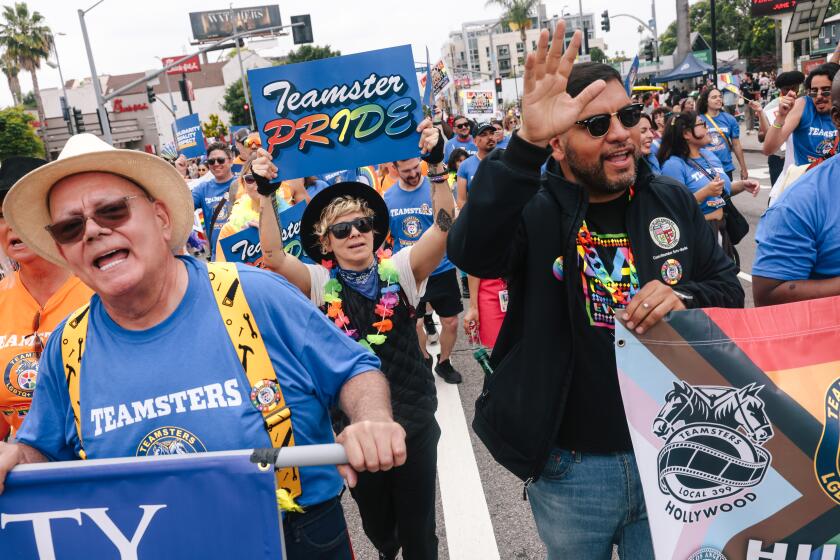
(338, 113)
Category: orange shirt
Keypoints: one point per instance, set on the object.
(18, 363)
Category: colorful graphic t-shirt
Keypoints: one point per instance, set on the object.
(206, 196)
(695, 174)
(594, 384)
(453, 143)
(411, 215)
(179, 386)
(468, 169)
(813, 138)
(18, 345)
(722, 139)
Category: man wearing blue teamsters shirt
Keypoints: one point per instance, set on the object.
(462, 138)
(798, 254)
(160, 371)
(485, 141)
(211, 196)
(410, 208)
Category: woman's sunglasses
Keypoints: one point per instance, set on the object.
(599, 125)
(108, 215)
(343, 230)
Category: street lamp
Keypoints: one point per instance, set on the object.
(58, 66)
(169, 89)
(97, 87)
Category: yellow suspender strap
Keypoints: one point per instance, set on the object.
(72, 346)
(266, 393)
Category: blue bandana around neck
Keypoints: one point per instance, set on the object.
(366, 281)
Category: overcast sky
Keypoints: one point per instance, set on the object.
(127, 35)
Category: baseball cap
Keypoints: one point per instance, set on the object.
(483, 127)
(241, 134)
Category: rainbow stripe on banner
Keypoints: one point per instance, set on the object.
(735, 421)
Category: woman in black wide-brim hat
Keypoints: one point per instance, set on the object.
(371, 295)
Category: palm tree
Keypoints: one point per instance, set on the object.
(10, 69)
(517, 16)
(28, 40)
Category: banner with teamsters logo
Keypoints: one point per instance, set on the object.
(204, 505)
(735, 421)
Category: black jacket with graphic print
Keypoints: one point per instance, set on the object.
(515, 226)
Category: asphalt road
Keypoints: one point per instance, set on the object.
(512, 526)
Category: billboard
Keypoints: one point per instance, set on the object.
(217, 24)
(771, 7)
(735, 420)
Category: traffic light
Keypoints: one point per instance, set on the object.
(246, 107)
(185, 92)
(605, 20)
(498, 85)
(150, 94)
(79, 120)
(302, 33)
(649, 51)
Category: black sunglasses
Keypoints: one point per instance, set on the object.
(599, 125)
(216, 161)
(825, 92)
(38, 344)
(342, 230)
(108, 215)
(462, 125)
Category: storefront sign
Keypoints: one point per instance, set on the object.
(120, 107)
(189, 65)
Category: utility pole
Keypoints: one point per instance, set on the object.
(714, 43)
(97, 87)
(683, 32)
(241, 68)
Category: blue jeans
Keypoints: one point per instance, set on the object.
(584, 503)
(318, 534)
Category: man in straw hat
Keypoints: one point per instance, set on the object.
(123, 378)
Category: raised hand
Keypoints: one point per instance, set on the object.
(786, 104)
(547, 110)
(263, 165)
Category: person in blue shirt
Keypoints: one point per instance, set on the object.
(485, 141)
(314, 185)
(212, 196)
(683, 156)
(724, 132)
(462, 127)
(646, 134)
(807, 119)
(798, 253)
(411, 214)
(160, 374)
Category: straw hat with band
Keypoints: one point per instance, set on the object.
(26, 206)
(312, 215)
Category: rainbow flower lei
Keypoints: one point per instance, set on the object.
(384, 308)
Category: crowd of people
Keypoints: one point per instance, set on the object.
(593, 206)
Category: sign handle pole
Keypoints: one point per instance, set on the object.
(189, 103)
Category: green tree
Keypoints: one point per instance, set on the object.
(310, 52)
(17, 137)
(10, 69)
(754, 37)
(28, 41)
(234, 104)
(517, 15)
(597, 55)
(214, 127)
(28, 101)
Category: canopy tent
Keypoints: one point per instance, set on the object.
(690, 67)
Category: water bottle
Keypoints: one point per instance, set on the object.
(479, 351)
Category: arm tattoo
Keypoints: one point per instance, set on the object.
(443, 220)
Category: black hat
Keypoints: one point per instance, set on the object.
(312, 215)
(788, 79)
(482, 127)
(14, 168)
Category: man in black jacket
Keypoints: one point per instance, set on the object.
(598, 236)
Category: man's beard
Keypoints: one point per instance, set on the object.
(593, 177)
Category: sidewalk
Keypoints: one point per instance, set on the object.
(749, 142)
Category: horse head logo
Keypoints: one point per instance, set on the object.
(683, 404)
(742, 408)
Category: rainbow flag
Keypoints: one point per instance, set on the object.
(735, 422)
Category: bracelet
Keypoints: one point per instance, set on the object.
(438, 178)
(774, 125)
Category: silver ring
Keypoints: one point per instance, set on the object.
(646, 305)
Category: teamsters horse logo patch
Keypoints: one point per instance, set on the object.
(21, 375)
(713, 446)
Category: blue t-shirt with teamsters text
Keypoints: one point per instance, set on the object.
(454, 142)
(722, 136)
(799, 236)
(690, 175)
(411, 214)
(207, 196)
(179, 387)
(468, 169)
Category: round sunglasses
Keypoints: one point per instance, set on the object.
(342, 230)
(599, 125)
(108, 215)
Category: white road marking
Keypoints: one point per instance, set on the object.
(745, 277)
(759, 173)
(469, 530)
